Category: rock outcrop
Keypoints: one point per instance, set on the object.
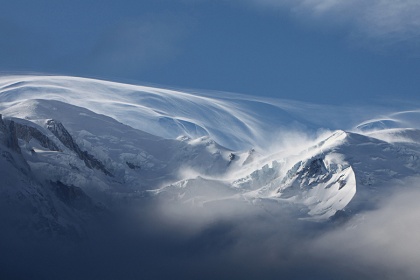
(27, 133)
(64, 136)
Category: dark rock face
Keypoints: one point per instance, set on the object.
(12, 139)
(27, 133)
(16, 160)
(132, 165)
(92, 162)
(314, 168)
(64, 136)
(3, 130)
(232, 157)
(301, 174)
(13, 131)
(72, 196)
(8, 137)
(2, 125)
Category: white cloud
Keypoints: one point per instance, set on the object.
(375, 244)
(387, 21)
(384, 243)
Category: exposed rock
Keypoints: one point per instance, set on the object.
(231, 156)
(9, 139)
(17, 161)
(72, 196)
(64, 136)
(2, 125)
(313, 168)
(12, 141)
(132, 165)
(27, 133)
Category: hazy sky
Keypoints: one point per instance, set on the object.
(329, 51)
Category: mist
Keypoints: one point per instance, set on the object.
(379, 244)
(160, 238)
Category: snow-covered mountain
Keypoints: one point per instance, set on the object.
(72, 149)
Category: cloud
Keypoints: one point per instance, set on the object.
(231, 240)
(381, 244)
(382, 21)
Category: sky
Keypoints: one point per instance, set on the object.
(323, 51)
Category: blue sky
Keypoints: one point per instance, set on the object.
(325, 51)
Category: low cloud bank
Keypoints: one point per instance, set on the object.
(380, 244)
(376, 22)
(231, 239)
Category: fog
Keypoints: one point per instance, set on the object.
(161, 238)
(380, 244)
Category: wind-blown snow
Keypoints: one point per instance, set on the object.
(235, 121)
